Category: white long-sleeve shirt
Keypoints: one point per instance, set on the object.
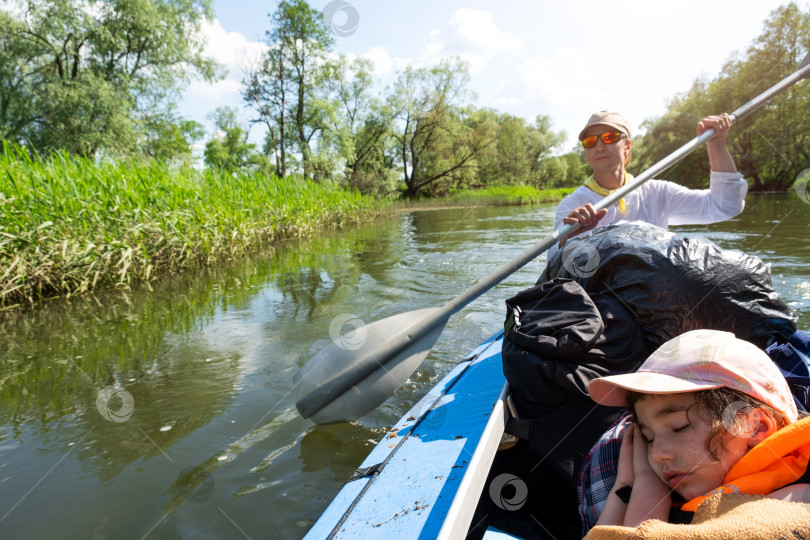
(665, 203)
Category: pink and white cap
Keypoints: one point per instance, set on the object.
(701, 360)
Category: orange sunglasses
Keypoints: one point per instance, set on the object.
(608, 137)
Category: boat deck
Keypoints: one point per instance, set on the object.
(437, 457)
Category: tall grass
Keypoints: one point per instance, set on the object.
(68, 225)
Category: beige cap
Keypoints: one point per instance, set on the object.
(701, 360)
(607, 118)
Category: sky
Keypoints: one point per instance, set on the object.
(561, 59)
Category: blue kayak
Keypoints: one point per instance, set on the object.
(425, 477)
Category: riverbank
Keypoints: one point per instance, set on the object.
(68, 225)
(507, 195)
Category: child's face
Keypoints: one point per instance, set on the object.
(677, 444)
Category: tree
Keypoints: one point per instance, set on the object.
(16, 84)
(567, 170)
(769, 146)
(168, 137)
(518, 150)
(552, 172)
(774, 143)
(358, 125)
(265, 90)
(79, 76)
(435, 138)
(230, 150)
(666, 134)
(575, 169)
(281, 87)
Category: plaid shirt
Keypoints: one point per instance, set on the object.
(598, 473)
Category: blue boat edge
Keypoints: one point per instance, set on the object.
(453, 441)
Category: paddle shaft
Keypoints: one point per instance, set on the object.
(524, 258)
(402, 339)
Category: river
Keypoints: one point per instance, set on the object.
(167, 412)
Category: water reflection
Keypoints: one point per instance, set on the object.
(213, 444)
(317, 446)
(204, 359)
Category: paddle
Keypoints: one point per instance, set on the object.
(356, 373)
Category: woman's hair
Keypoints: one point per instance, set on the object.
(723, 409)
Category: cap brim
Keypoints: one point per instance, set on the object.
(612, 391)
(608, 124)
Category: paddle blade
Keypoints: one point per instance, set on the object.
(346, 380)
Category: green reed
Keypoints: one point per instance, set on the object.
(69, 225)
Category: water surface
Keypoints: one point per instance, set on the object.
(167, 412)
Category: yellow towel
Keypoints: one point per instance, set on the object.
(724, 516)
(594, 186)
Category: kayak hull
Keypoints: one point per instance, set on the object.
(425, 477)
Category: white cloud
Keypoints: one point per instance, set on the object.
(15, 9)
(435, 44)
(476, 38)
(234, 52)
(220, 92)
(231, 49)
(473, 36)
(381, 58)
(566, 77)
(506, 101)
(477, 31)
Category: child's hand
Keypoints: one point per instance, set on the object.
(625, 474)
(651, 497)
(641, 462)
(615, 506)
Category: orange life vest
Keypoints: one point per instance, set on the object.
(775, 462)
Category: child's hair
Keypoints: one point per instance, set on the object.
(715, 406)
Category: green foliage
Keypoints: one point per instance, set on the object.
(17, 110)
(68, 225)
(437, 139)
(515, 195)
(552, 171)
(576, 169)
(84, 77)
(360, 126)
(230, 151)
(567, 170)
(773, 144)
(167, 137)
(518, 151)
(284, 87)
